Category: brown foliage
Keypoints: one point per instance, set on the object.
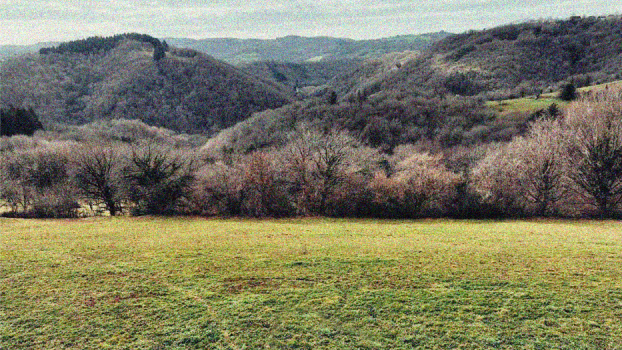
(418, 185)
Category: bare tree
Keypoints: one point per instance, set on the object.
(158, 179)
(263, 188)
(594, 126)
(494, 180)
(298, 165)
(319, 162)
(540, 170)
(99, 178)
(526, 175)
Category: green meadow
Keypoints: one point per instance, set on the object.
(147, 283)
(526, 105)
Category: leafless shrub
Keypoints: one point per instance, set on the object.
(158, 179)
(99, 176)
(594, 126)
(417, 184)
(217, 190)
(55, 202)
(37, 181)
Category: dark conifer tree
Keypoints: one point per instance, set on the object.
(18, 121)
(568, 93)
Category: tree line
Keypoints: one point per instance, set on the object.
(565, 166)
(98, 45)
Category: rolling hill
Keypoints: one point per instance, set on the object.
(298, 49)
(518, 59)
(101, 78)
(440, 96)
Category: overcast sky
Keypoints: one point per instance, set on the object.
(32, 21)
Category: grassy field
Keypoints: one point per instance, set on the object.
(526, 105)
(519, 107)
(125, 283)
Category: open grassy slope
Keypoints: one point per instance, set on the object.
(530, 104)
(310, 284)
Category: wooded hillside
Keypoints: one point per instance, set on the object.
(126, 78)
(518, 59)
(439, 96)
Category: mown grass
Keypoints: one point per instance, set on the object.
(126, 283)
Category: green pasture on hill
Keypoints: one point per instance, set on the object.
(521, 107)
(147, 283)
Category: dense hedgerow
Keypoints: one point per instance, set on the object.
(565, 166)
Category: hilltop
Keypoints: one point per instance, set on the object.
(134, 77)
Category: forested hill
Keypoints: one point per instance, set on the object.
(439, 96)
(134, 77)
(298, 49)
(518, 59)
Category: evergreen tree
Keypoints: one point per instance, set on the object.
(158, 52)
(18, 121)
(568, 93)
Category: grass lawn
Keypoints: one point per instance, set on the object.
(127, 283)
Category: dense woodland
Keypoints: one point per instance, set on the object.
(518, 59)
(125, 78)
(96, 45)
(135, 127)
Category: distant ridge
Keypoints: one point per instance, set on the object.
(294, 49)
(299, 49)
(7, 51)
